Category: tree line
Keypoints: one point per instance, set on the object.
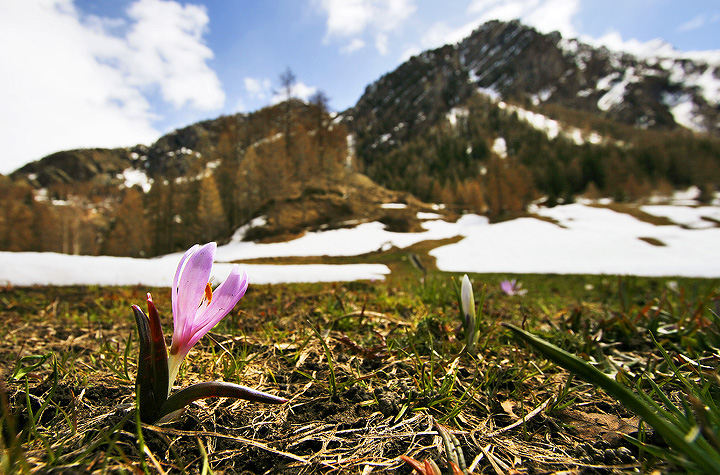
(253, 161)
(453, 163)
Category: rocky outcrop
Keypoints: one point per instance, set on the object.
(98, 164)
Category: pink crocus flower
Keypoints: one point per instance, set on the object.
(196, 308)
(512, 287)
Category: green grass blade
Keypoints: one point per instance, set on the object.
(672, 434)
(329, 357)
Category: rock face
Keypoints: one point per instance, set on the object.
(513, 61)
(85, 165)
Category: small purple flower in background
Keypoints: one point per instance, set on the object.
(195, 311)
(512, 287)
(196, 308)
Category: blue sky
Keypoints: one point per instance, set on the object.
(81, 73)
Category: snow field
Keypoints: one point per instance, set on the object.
(575, 239)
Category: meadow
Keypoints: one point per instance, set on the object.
(377, 376)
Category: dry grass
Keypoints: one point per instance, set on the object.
(398, 368)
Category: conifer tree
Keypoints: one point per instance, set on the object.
(128, 231)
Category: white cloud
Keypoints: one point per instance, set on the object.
(409, 52)
(257, 88)
(381, 43)
(72, 81)
(693, 24)
(165, 47)
(299, 91)
(354, 45)
(544, 15)
(554, 15)
(614, 41)
(354, 18)
(440, 34)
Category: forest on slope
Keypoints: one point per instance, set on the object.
(453, 162)
(239, 166)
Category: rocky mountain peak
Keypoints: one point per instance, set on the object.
(511, 61)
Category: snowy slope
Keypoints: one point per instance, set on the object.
(580, 240)
(588, 240)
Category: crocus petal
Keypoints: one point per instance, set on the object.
(190, 290)
(225, 297)
(506, 286)
(195, 311)
(176, 279)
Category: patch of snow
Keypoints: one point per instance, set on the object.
(46, 268)
(428, 216)
(690, 217)
(576, 136)
(686, 197)
(569, 46)
(605, 83)
(709, 84)
(134, 177)
(492, 93)
(362, 239)
(590, 241)
(456, 113)
(550, 126)
(616, 94)
(594, 138)
(393, 206)
(542, 96)
(41, 195)
(683, 110)
(500, 147)
(702, 78)
(240, 232)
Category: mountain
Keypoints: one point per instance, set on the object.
(502, 119)
(510, 61)
(285, 169)
(570, 117)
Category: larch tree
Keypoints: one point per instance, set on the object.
(287, 83)
(210, 213)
